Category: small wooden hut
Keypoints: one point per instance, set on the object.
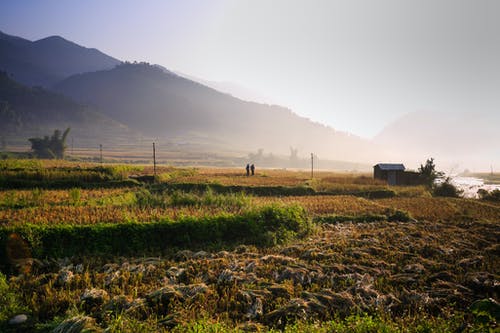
(390, 172)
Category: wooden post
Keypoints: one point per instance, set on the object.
(72, 147)
(154, 160)
(100, 152)
(312, 165)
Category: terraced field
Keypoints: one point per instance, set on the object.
(212, 250)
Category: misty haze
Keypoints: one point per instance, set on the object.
(234, 166)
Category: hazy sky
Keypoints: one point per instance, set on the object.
(355, 65)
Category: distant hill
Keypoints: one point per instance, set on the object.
(152, 101)
(26, 111)
(234, 89)
(160, 103)
(448, 137)
(46, 61)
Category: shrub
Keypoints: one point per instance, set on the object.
(446, 189)
(489, 196)
(399, 216)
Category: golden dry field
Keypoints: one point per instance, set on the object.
(110, 248)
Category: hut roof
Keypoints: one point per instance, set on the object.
(390, 166)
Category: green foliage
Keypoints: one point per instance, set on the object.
(177, 198)
(117, 172)
(489, 196)
(267, 226)
(428, 172)
(75, 195)
(485, 311)
(34, 198)
(12, 164)
(18, 174)
(269, 191)
(144, 198)
(446, 189)
(49, 148)
(358, 323)
(399, 216)
(176, 173)
(10, 303)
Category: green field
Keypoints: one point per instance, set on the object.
(110, 248)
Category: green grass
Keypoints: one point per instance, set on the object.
(25, 174)
(357, 323)
(269, 191)
(266, 227)
(10, 303)
(177, 198)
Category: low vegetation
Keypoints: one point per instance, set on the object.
(212, 250)
(493, 196)
(446, 189)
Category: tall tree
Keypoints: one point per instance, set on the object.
(428, 172)
(50, 148)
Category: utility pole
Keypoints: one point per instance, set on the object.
(154, 160)
(72, 147)
(100, 152)
(312, 165)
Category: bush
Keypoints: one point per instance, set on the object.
(446, 189)
(399, 216)
(489, 196)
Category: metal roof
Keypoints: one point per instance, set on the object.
(390, 166)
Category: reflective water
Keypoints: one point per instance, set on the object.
(470, 185)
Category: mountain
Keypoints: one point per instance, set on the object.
(160, 103)
(26, 112)
(455, 139)
(234, 89)
(48, 60)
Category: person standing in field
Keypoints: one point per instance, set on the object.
(248, 169)
(253, 169)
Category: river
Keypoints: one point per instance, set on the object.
(470, 185)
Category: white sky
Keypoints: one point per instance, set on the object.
(354, 65)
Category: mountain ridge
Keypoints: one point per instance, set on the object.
(48, 60)
(32, 111)
(163, 103)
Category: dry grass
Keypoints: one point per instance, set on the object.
(326, 205)
(119, 205)
(430, 268)
(424, 268)
(433, 209)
